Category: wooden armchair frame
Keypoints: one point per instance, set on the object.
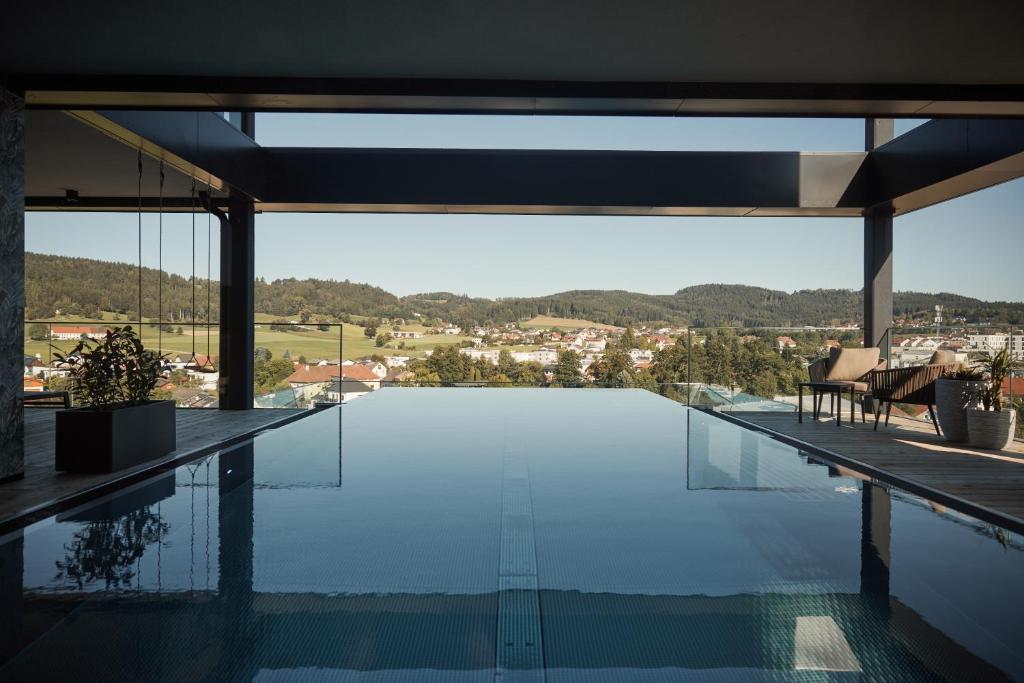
(914, 385)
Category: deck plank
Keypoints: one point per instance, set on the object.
(911, 450)
(196, 428)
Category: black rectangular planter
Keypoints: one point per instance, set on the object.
(91, 440)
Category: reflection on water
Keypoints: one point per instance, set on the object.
(664, 544)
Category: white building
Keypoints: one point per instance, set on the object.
(995, 342)
(452, 330)
(543, 355)
(398, 361)
(490, 355)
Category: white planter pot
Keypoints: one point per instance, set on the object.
(989, 429)
(951, 397)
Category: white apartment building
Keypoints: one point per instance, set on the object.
(995, 342)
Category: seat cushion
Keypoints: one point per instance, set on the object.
(851, 364)
(942, 357)
(859, 387)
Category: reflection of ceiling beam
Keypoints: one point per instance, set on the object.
(202, 142)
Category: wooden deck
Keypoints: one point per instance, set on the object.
(911, 451)
(42, 486)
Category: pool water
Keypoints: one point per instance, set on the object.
(511, 534)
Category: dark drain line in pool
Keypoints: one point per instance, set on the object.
(520, 652)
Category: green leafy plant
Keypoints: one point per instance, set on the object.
(995, 367)
(113, 371)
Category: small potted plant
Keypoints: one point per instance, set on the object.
(117, 424)
(991, 425)
(953, 393)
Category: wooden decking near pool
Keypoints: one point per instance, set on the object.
(910, 450)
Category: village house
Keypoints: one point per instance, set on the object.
(74, 332)
(784, 343)
(377, 368)
(662, 341)
(641, 356)
(405, 334)
(398, 361)
(452, 330)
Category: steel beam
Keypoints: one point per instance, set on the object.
(944, 159)
(237, 278)
(520, 97)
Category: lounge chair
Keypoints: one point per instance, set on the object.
(913, 385)
(850, 369)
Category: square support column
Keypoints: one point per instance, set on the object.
(237, 299)
(12, 284)
(878, 278)
(878, 253)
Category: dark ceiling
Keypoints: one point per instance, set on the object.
(663, 56)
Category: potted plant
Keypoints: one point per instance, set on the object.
(117, 424)
(953, 393)
(992, 424)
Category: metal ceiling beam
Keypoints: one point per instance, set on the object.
(944, 159)
(564, 181)
(519, 97)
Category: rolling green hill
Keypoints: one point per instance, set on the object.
(78, 286)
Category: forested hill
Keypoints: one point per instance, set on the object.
(78, 286)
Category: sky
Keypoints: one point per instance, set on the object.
(971, 245)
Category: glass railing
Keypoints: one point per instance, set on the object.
(190, 350)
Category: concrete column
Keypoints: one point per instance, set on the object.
(12, 284)
(878, 253)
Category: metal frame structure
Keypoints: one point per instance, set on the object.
(74, 116)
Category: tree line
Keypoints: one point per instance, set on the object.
(86, 287)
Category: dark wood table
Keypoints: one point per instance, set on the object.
(818, 389)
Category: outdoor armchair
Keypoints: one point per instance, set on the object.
(912, 385)
(849, 368)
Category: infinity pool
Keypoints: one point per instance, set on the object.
(517, 534)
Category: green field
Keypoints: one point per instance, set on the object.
(313, 344)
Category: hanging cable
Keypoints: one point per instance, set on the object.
(209, 279)
(160, 269)
(140, 244)
(194, 362)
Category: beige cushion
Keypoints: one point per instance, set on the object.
(851, 364)
(942, 358)
(860, 387)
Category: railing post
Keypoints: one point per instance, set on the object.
(689, 362)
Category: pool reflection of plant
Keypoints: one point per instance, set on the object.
(109, 550)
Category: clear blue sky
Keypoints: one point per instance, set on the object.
(972, 245)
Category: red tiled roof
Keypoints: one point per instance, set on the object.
(358, 372)
(310, 374)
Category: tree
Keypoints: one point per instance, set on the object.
(614, 368)
(269, 376)
(179, 331)
(262, 354)
(370, 332)
(568, 369)
(506, 364)
(38, 332)
(628, 340)
(382, 340)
